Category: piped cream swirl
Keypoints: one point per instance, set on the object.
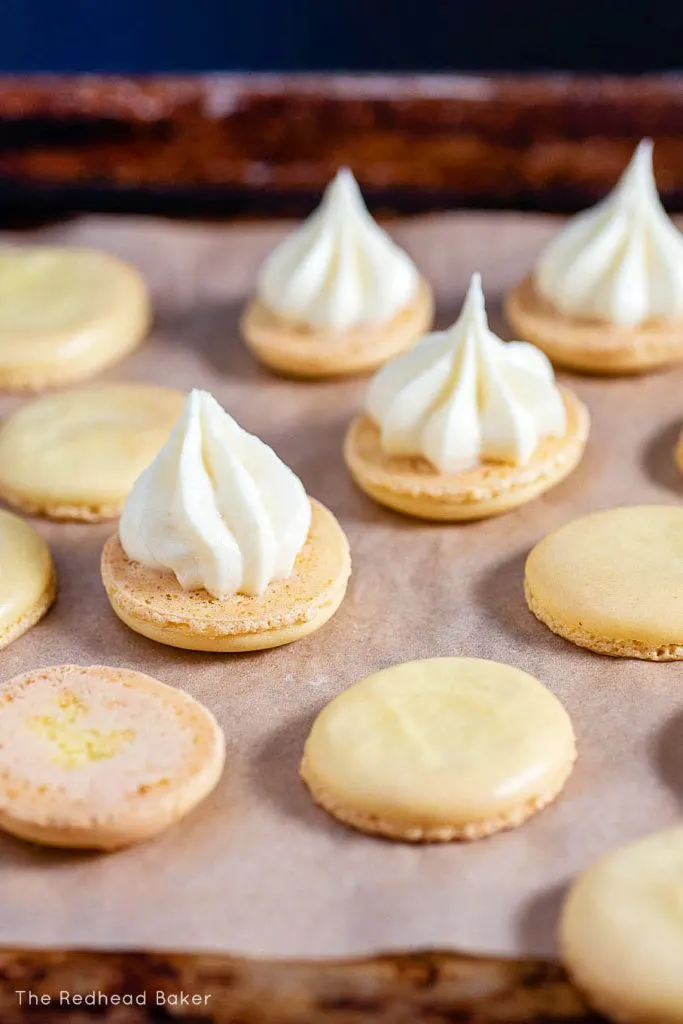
(463, 396)
(620, 262)
(217, 507)
(340, 269)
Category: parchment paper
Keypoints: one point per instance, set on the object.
(258, 869)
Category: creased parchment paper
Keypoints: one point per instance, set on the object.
(258, 869)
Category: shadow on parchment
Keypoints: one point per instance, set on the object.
(314, 451)
(658, 459)
(497, 321)
(667, 755)
(500, 594)
(538, 920)
(212, 331)
(448, 312)
(21, 853)
(274, 769)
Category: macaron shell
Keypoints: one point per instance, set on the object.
(154, 604)
(65, 314)
(101, 757)
(409, 484)
(612, 581)
(77, 454)
(295, 350)
(678, 453)
(588, 346)
(27, 580)
(621, 931)
(439, 749)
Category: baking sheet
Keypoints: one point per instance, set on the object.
(258, 869)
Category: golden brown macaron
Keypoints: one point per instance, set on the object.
(155, 605)
(589, 346)
(439, 749)
(338, 296)
(606, 295)
(28, 582)
(464, 425)
(299, 350)
(77, 454)
(101, 757)
(409, 484)
(66, 314)
(219, 548)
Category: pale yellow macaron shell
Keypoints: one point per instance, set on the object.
(65, 314)
(613, 581)
(439, 749)
(27, 577)
(77, 454)
(101, 757)
(621, 931)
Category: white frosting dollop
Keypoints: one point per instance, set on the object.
(340, 269)
(622, 260)
(217, 507)
(463, 396)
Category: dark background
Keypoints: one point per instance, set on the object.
(181, 35)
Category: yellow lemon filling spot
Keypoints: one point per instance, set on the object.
(75, 745)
